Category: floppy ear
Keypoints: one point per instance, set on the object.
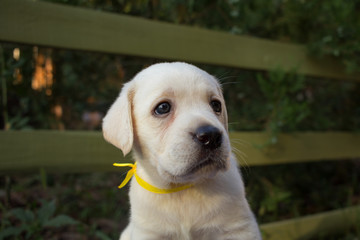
(117, 124)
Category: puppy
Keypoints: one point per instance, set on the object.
(173, 116)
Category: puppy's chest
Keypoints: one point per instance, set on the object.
(192, 213)
(193, 210)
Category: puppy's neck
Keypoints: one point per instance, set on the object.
(220, 182)
(149, 173)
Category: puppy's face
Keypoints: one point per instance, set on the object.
(175, 115)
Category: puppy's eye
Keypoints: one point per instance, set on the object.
(162, 108)
(216, 106)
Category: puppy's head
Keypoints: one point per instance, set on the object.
(175, 116)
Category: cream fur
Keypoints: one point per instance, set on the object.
(216, 207)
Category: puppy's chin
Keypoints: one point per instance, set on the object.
(199, 170)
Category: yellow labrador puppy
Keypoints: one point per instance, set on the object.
(173, 116)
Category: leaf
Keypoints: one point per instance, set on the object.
(102, 236)
(23, 215)
(46, 211)
(59, 221)
(11, 232)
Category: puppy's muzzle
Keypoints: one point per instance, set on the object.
(208, 137)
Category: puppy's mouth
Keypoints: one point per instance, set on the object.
(200, 165)
(207, 168)
(207, 165)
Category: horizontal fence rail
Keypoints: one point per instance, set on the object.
(48, 24)
(318, 225)
(76, 151)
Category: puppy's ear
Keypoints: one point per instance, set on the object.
(117, 124)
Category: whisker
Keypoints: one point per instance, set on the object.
(223, 76)
(226, 83)
(240, 142)
(242, 159)
(240, 154)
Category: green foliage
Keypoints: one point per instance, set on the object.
(332, 106)
(338, 25)
(31, 224)
(285, 100)
(97, 208)
(274, 198)
(290, 190)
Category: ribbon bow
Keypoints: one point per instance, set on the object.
(145, 184)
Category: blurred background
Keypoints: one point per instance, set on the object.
(60, 89)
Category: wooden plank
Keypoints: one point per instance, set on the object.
(72, 151)
(69, 152)
(318, 225)
(295, 147)
(42, 23)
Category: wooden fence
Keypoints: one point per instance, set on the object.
(48, 24)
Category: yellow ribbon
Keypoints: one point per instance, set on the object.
(143, 183)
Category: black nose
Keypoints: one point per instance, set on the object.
(208, 136)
